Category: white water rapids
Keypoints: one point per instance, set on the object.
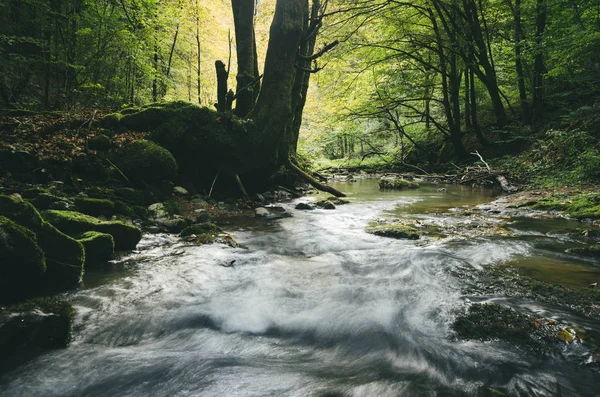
(315, 307)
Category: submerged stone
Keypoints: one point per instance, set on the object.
(394, 230)
(397, 184)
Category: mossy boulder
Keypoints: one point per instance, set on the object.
(65, 257)
(111, 121)
(75, 224)
(95, 207)
(100, 142)
(98, 246)
(397, 184)
(145, 161)
(20, 211)
(44, 323)
(23, 262)
(395, 230)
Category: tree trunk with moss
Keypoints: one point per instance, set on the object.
(243, 16)
(273, 113)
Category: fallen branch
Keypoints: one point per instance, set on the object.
(316, 184)
(290, 191)
(241, 185)
(213, 185)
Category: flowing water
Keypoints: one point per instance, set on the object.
(314, 307)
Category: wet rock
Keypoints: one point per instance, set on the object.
(271, 212)
(180, 191)
(325, 204)
(487, 322)
(37, 324)
(395, 230)
(174, 225)
(208, 233)
(593, 285)
(304, 206)
(442, 190)
(157, 211)
(337, 200)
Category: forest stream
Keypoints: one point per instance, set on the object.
(315, 307)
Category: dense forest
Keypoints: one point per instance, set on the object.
(162, 170)
(402, 82)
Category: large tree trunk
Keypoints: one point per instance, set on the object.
(243, 16)
(526, 113)
(273, 113)
(538, 63)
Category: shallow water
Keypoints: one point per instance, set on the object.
(315, 307)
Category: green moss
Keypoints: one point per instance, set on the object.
(23, 262)
(201, 229)
(95, 207)
(45, 323)
(577, 205)
(111, 121)
(394, 230)
(146, 161)
(494, 322)
(20, 211)
(98, 246)
(397, 184)
(100, 142)
(65, 257)
(74, 224)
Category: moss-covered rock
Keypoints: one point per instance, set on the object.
(397, 184)
(98, 246)
(145, 161)
(74, 224)
(23, 262)
(111, 121)
(65, 257)
(44, 323)
(325, 204)
(95, 207)
(494, 322)
(394, 230)
(20, 211)
(100, 142)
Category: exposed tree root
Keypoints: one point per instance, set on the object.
(315, 183)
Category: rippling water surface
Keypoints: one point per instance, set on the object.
(314, 307)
